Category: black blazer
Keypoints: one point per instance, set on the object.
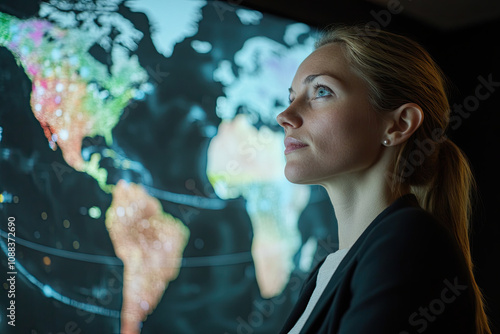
(405, 274)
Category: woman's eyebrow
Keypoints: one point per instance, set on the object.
(311, 77)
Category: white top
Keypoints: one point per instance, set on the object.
(325, 273)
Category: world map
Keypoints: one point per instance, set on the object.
(142, 162)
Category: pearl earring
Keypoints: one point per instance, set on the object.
(386, 142)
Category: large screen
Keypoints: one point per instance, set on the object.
(141, 169)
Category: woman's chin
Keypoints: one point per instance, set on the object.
(296, 176)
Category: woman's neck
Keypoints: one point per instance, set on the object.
(357, 201)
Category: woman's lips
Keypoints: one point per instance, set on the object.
(292, 144)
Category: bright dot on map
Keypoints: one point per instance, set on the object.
(84, 72)
(95, 212)
(59, 87)
(209, 131)
(63, 134)
(103, 94)
(120, 211)
(129, 211)
(44, 215)
(147, 87)
(58, 112)
(57, 99)
(76, 244)
(144, 305)
(40, 91)
(66, 223)
(47, 291)
(196, 113)
(139, 94)
(56, 54)
(46, 261)
(54, 137)
(38, 107)
(73, 60)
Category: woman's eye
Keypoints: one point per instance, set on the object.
(322, 91)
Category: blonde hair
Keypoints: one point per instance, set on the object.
(398, 71)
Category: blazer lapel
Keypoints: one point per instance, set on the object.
(330, 290)
(304, 297)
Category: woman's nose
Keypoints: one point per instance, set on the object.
(289, 118)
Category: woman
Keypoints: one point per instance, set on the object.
(367, 117)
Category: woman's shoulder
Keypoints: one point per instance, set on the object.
(409, 222)
(411, 233)
(404, 265)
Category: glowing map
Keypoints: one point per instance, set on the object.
(141, 159)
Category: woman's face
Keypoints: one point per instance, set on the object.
(331, 130)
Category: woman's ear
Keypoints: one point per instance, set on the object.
(403, 122)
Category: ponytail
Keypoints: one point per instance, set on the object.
(449, 194)
(449, 198)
